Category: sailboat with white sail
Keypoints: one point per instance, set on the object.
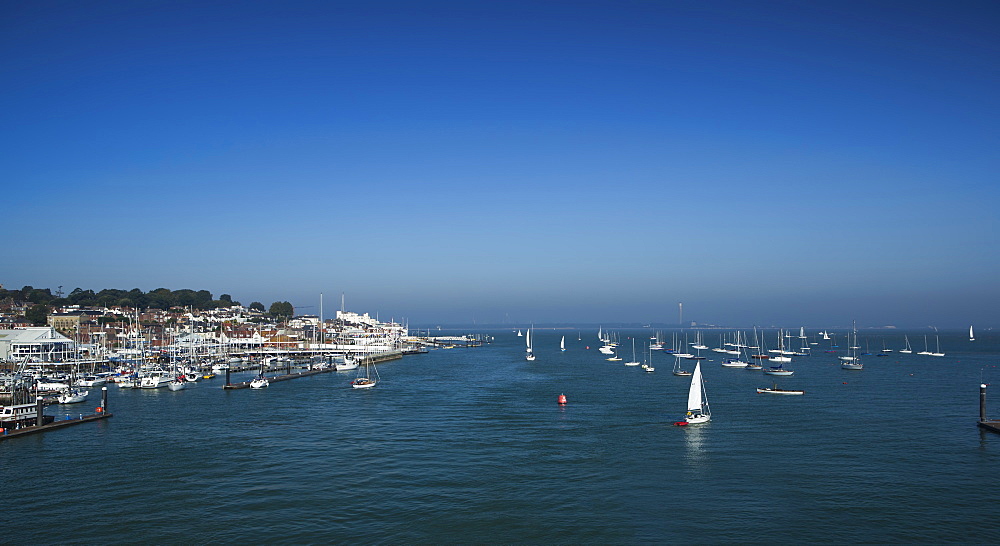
(972, 335)
(697, 405)
(529, 353)
(562, 344)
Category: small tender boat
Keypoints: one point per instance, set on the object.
(776, 390)
(72, 396)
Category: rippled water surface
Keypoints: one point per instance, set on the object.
(469, 445)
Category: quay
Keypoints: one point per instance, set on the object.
(454, 341)
(992, 425)
(54, 425)
(43, 425)
(372, 359)
(282, 377)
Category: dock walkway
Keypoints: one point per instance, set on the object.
(374, 359)
(53, 425)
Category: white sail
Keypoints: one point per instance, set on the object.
(972, 337)
(694, 393)
(562, 344)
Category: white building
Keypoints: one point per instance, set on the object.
(35, 343)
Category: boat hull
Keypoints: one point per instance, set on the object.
(778, 391)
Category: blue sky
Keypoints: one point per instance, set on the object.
(590, 161)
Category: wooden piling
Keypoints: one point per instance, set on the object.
(994, 425)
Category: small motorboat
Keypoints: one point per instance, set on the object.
(72, 396)
(776, 390)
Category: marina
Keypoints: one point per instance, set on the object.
(463, 445)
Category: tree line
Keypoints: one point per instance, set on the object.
(161, 298)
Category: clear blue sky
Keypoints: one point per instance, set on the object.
(764, 162)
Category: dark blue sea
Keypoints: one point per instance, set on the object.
(470, 446)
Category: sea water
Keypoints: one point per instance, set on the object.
(470, 445)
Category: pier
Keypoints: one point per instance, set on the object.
(54, 425)
(373, 359)
(454, 341)
(43, 424)
(988, 424)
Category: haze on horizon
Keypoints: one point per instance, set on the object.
(772, 162)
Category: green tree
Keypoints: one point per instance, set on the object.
(281, 309)
(40, 296)
(37, 314)
(257, 306)
(203, 299)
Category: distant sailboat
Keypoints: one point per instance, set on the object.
(907, 350)
(562, 344)
(529, 354)
(633, 362)
(938, 352)
(925, 351)
(972, 336)
(677, 368)
(854, 362)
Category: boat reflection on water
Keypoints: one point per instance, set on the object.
(694, 445)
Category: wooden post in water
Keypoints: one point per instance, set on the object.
(104, 399)
(39, 417)
(227, 375)
(982, 402)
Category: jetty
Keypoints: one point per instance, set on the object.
(988, 424)
(46, 423)
(371, 359)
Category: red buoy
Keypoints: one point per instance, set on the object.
(681, 424)
(562, 399)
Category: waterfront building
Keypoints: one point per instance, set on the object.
(35, 343)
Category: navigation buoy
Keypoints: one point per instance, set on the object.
(588, 346)
(562, 399)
